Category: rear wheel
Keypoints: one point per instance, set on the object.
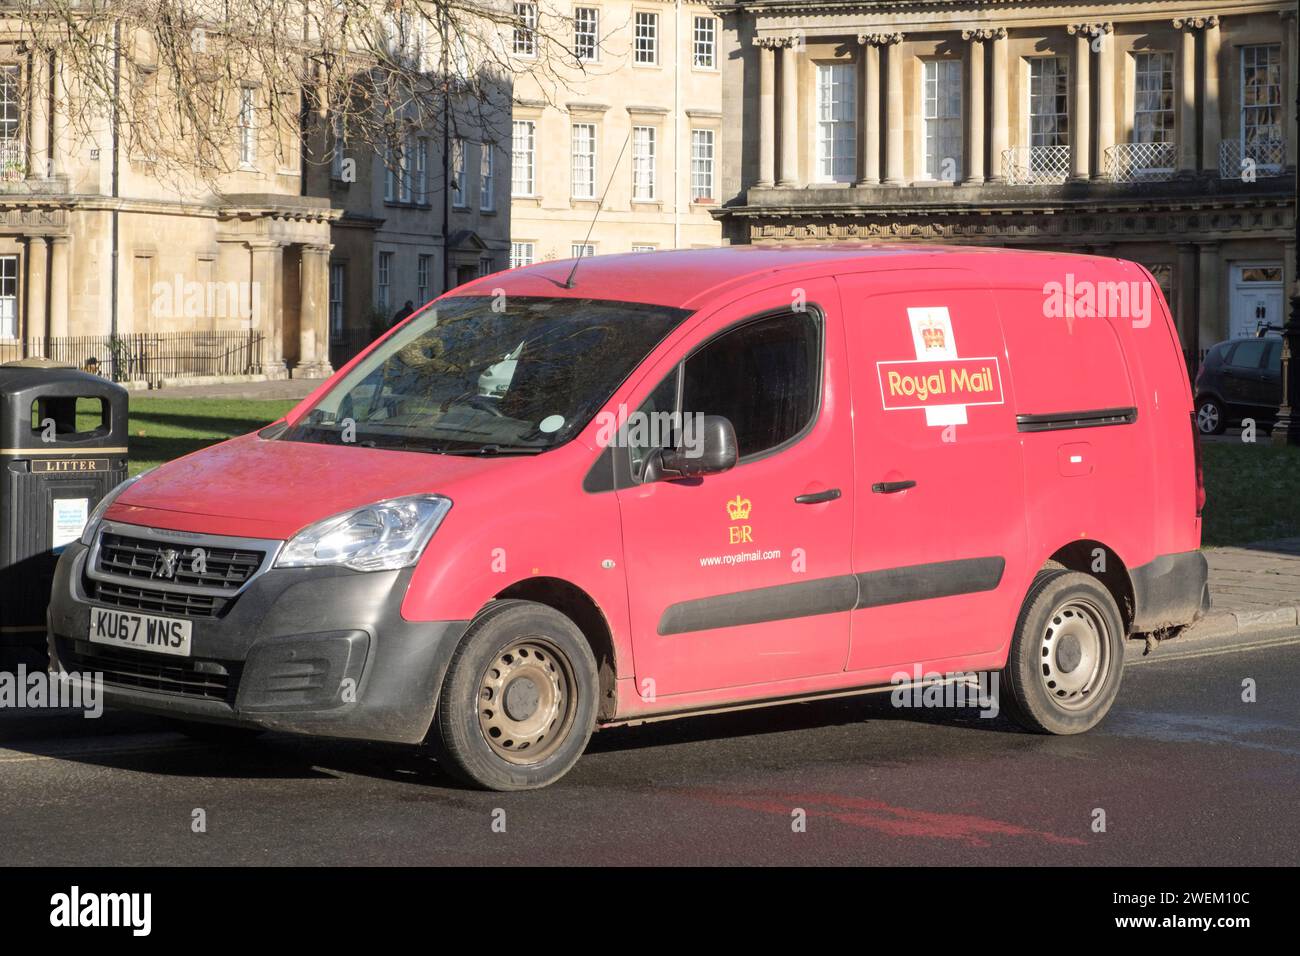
(1067, 655)
(518, 704)
(1210, 419)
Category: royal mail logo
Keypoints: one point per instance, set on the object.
(738, 508)
(938, 380)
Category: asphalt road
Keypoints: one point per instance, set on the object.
(1184, 770)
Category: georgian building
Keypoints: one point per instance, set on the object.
(1161, 131)
(617, 94)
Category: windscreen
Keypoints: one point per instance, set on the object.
(488, 375)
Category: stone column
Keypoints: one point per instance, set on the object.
(313, 315)
(1185, 296)
(766, 111)
(59, 282)
(1212, 108)
(974, 172)
(37, 323)
(1081, 102)
(789, 115)
(1000, 127)
(1212, 324)
(57, 121)
(893, 51)
(1186, 96)
(869, 111)
(39, 136)
(266, 305)
(1105, 96)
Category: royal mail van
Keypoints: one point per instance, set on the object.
(694, 480)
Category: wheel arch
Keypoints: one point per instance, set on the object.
(579, 607)
(1098, 560)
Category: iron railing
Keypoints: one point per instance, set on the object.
(1141, 162)
(1263, 157)
(147, 356)
(1036, 165)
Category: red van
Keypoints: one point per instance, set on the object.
(671, 483)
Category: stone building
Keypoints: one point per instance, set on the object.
(639, 110)
(1161, 131)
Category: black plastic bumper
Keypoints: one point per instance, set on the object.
(1171, 591)
(321, 651)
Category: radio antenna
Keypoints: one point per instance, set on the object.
(569, 283)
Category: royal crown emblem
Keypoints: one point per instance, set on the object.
(738, 508)
(932, 335)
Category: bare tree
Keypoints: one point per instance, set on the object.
(186, 85)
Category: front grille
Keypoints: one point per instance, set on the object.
(210, 680)
(224, 569)
(154, 601)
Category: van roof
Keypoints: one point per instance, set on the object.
(681, 277)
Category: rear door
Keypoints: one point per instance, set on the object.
(743, 577)
(939, 547)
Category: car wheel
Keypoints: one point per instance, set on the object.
(1067, 655)
(518, 703)
(1210, 419)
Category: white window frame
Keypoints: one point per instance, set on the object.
(836, 112)
(1277, 106)
(337, 293)
(703, 166)
(1152, 121)
(1057, 131)
(704, 43)
(523, 164)
(580, 250)
(524, 39)
(8, 297)
(486, 180)
(423, 270)
(586, 34)
(941, 129)
(458, 173)
(247, 127)
(583, 167)
(645, 38)
(339, 153)
(643, 247)
(522, 253)
(421, 187)
(384, 282)
(644, 149)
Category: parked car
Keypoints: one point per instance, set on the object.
(1239, 379)
(713, 479)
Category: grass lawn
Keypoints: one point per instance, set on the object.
(166, 428)
(1252, 492)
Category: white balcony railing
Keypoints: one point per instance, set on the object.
(1260, 158)
(1036, 165)
(1141, 162)
(13, 160)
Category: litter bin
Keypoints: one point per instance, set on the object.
(63, 447)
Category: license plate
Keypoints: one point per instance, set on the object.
(144, 632)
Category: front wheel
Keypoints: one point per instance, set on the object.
(1210, 418)
(1067, 655)
(518, 704)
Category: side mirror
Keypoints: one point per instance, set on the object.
(714, 451)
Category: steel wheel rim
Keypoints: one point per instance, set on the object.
(1075, 655)
(527, 701)
(1207, 417)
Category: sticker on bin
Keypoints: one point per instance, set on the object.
(68, 521)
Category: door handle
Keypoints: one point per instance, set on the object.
(889, 487)
(817, 497)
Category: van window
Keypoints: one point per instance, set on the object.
(764, 376)
(478, 375)
(1248, 354)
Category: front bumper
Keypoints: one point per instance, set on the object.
(322, 651)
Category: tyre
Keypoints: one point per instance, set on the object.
(217, 733)
(1067, 655)
(1210, 418)
(518, 703)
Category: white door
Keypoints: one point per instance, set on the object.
(1256, 297)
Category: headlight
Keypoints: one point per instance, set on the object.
(92, 523)
(379, 537)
